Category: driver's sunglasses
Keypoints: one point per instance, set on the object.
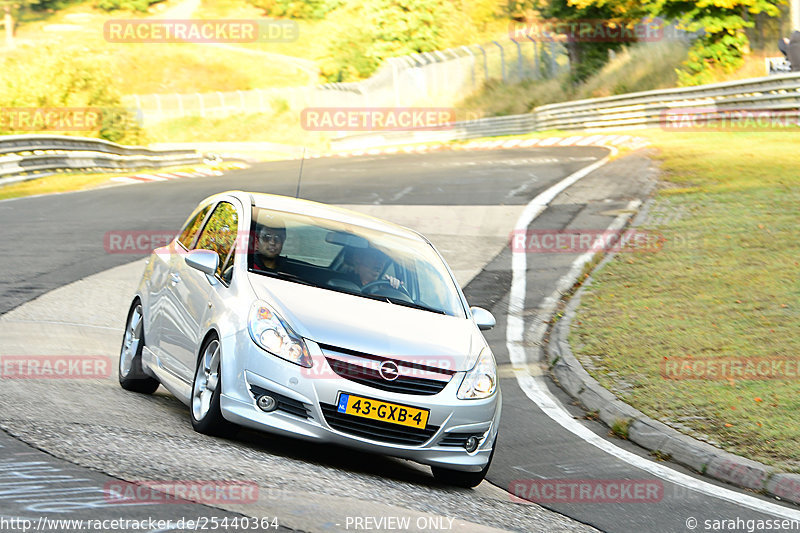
(270, 237)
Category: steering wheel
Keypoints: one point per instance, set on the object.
(370, 288)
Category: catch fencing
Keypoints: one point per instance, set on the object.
(648, 109)
(438, 78)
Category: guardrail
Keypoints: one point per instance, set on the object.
(26, 156)
(627, 111)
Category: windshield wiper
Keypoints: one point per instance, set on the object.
(402, 302)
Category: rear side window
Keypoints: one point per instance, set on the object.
(192, 226)
(219, 235)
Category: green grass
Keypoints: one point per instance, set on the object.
(281, 127)
(724, 285)
(69, 181)
(144, 68)
(637, 68)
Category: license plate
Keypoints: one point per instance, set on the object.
(392, 413)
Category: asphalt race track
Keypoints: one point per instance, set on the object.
(466, 203)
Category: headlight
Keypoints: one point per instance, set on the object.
(481, 381)
(273, 334)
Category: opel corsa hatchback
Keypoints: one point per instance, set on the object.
(303, 319)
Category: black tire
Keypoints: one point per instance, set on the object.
(129, 370)
(458, 478)
(208, 420)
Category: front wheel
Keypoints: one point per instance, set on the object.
(459, 478)
(206, 390)
(131, 375)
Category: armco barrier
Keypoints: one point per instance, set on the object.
(627, 111)
(25, 155)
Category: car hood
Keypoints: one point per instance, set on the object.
(350, 322)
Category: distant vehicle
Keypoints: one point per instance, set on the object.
(354, 332)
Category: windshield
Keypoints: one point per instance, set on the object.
(351, 259)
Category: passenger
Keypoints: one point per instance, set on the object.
(269, 238)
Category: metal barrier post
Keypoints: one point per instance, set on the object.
(472, 64)
(485, 64)
(537, 72)
(502, 59)
(519, 59)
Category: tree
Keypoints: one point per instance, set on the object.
(588, 49)
(370, 31)
(721, 24)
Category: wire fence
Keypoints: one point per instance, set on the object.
(439, 78)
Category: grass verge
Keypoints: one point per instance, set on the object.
(724, 285)
(69, 181)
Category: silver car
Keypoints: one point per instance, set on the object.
(303, 319)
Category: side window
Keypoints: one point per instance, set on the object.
(191, 227)
(219, 235)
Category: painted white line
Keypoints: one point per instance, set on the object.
(549, 141)
(535, 388)
(588, 140)
(125, 179)
(511, 144)
(569, 141)
(607, 139)
(621, 139)
(528, 142)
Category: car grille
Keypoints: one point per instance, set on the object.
(376, 429)
(355, 368)
(286, 404)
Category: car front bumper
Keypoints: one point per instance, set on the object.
(248, 371)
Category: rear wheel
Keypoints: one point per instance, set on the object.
(459, 478)
(205, 410)
(131, 375)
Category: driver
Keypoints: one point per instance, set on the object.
(368, 263)
(269, 238)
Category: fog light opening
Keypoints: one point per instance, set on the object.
(472, 444)
(266, 403)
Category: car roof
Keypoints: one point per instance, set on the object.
(324, 211)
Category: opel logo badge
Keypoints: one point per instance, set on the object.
(389, 370)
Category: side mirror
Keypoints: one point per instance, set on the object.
(483, 318)
(205, 261)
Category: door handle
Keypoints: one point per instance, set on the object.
(175, 278)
